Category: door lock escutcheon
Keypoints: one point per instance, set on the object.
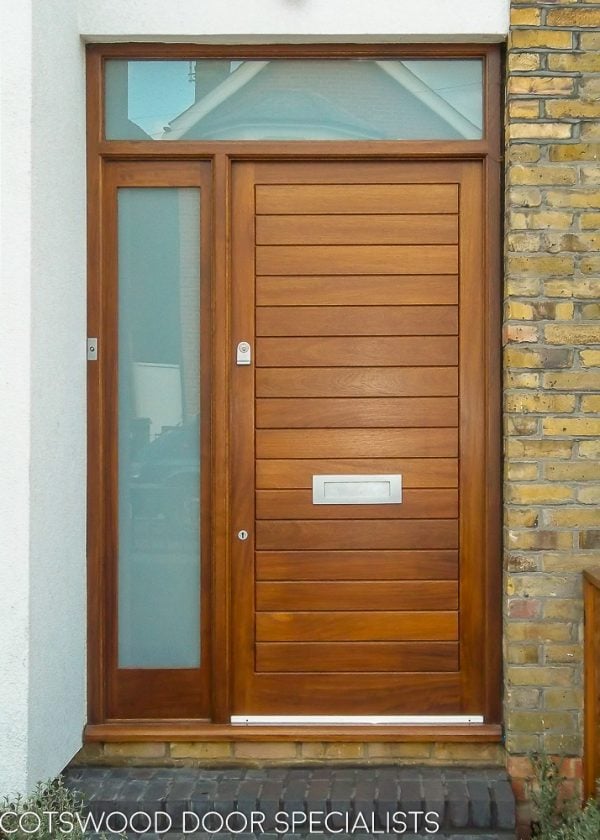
(244, 353)
(242, 535)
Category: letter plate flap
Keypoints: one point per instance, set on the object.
(357, 489)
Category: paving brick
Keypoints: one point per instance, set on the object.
(294, 793)
(248, 793)
(364, 795)
(411, 797)
(503, 804)
(317, 795)
(457, 802)
(434, 797)
(202, 799)
(270, 800)
(179, 797)
(157, 789)
(387, 796)
(342, 790)
(480, 803)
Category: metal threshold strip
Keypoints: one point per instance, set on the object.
(360, 720)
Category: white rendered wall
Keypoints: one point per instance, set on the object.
(15, 310)
(42, 311)
(57, 663)
(42, 392)
(293, 20)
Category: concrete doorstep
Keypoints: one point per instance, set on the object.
(289, 802)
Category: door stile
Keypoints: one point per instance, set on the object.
(472, 436)
(96, 598)
(222, 475)
(108, 356)
(492, 164)
(242, 430)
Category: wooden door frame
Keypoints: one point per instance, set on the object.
(220, 154)
(452, 692)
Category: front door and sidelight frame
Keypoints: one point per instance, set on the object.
(336, 209)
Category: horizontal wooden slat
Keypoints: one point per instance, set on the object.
(356, 171)
(357, 626)
(356, 259)
(298, 504)
(434, 693)
(359, 230)
(359, 351)
(416, 472)
(356, 198)
(334, 412)
(284, 535)
(390, 290)
(371, 595)
(348, 443)
(356, 320)
(357, 382)
(357, 565)
(336, 657)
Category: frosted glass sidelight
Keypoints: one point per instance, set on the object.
(159, 427)
(289, 99)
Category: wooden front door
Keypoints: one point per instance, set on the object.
(360, 289)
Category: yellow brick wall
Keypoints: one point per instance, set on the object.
(273, 752)
(552, 368)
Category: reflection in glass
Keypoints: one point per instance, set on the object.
(281, 99)
(159, 420)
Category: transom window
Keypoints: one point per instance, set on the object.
(287, 99)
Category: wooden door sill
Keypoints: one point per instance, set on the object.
(190, 730)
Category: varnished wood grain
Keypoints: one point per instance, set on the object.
(591, 699)
(390, 351)
(348, 443)
(492, 233)
(306, 50)
(322, 412)
(356, 259)
(374, 290)
(136, 731)
(357, 382)
(356, 626)
(241, 432)
(435, 693)
(98, 615)
(298, 504)
(220, 559)
(416, 472)
(389, 693)
(356, 198)
(356, 320)
(361, 230)
(472, 461)
(352, 657)
(441, 564)
(368, 534)
(356, 596)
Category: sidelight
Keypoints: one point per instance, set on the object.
(159, 428)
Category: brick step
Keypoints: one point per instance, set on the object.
(219, 803)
